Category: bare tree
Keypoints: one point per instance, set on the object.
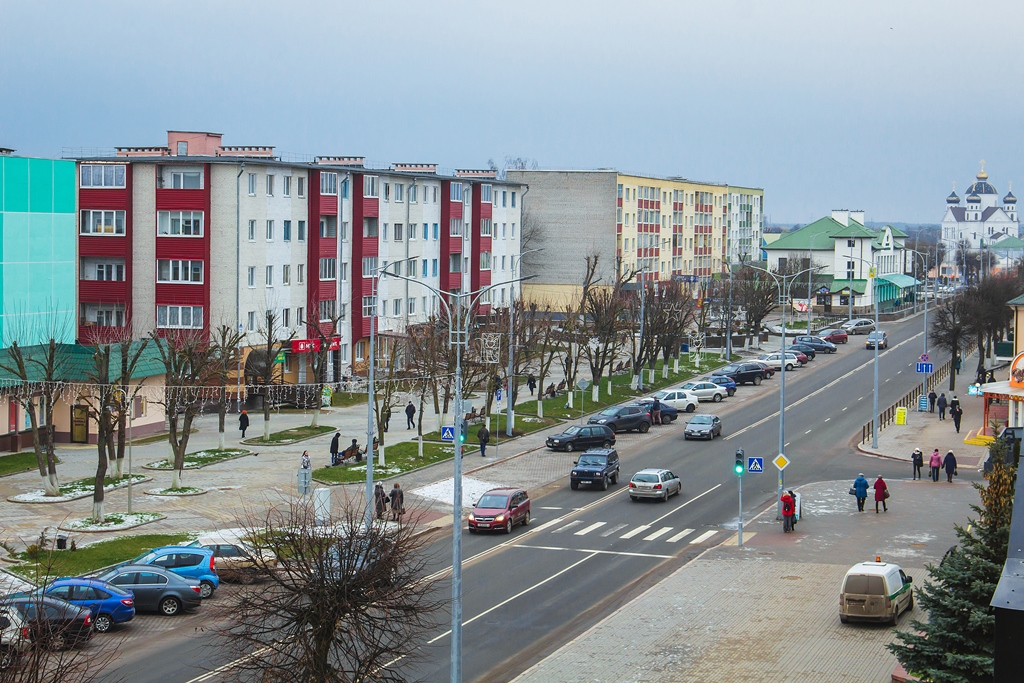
(951, 328)
(432, 356)
(322, 333)
(190, 365)
(604, 320)
(129, 353)
(546, 347)
(347, 604)
(272, 341)
(226, 342)
(388, 381)
(757, 293)
(672, 314)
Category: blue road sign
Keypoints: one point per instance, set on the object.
(755, 465)
(927, 368)
(448, 434)
(497, 395)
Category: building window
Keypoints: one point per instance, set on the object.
(433, 268)
(426, 232)
(485, 226)
(252, 184)
(179, 271)
(286, 314)
(360, 350)
(328, 227)
(300, 273)
(329, 183)
(344, 189)
(504, 231)
(110, 272)
(398, 228)
(370, 227)
(252, 276)
(513, 231)
(486, 191)
(851, 267)
(369, 266)
(396, 307)
(455, 192)
(367, 306)
(105, 175)
(424, 269)
(328, 269)
(252, 231)
(102, 223)
(411, 306)
(412, 194)
(485, 260)
(503, 263)
(270, 231)
(371, 186)
(270, 185)
(102, 315)
(301, 186)
(286, 275)
(513, 200)
(327, 310)
(344, 231)
(270, 276)
(180, 223)
(455, 227)
(437, 231)
(251, 321)
(186, 180)
(504, 198)
(300, 318)
(385, 234)
(344, 272)
(180, 317)
(387, 192)
(286, 230)
(399, 192)
(302, 230)
(286, 190)
(455, 263)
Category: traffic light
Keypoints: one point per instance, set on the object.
(462, 431)
(738, 467)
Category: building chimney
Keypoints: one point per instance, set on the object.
(857, 215)
(841, 216)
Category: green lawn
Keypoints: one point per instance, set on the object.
(201, 458)
(17, 462)
(94, 556)
(342, 399)
(288, 436)
(399, 458)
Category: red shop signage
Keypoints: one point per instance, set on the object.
(308, 345)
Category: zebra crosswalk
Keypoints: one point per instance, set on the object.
(647, 532)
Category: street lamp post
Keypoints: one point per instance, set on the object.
(510, 415)
(125, 406)
(874, 400)
(643, 318)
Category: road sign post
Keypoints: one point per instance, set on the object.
(447, 434)
(755, 465)
(781, 462)
(927, 368)
(738, 468)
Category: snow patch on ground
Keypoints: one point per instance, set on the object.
(183, 491)
(444, 491)
(72, 491)
(114, 522)
(9, 583)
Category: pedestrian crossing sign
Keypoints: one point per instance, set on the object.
(780, 461)
(755, 465)
(448, 434)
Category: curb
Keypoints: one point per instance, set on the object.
(175, 495)
(10, 499)
(148, 466)
(104, 531)
(254, 442)
(876, 454)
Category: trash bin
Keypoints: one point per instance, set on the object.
(62, 542)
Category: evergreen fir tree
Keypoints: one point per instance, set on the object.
(958, 642)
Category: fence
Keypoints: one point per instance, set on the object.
(910, 399)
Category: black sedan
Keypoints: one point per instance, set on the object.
(804, 349)
(582, 437)
(156, 589)
(668, 413)
(51, 622)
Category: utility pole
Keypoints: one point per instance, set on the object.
(728, 324)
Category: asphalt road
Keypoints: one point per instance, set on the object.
(587, 552)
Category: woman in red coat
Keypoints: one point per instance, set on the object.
(788, 512)
(881, 493)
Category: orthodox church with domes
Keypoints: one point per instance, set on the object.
(983, 221)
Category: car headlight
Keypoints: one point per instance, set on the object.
(472, 517)
(554, 441)
(575, 473)
(499, 518)
(601, 421)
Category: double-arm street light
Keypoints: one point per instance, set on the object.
(874, 399)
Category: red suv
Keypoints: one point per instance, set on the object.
(500, 509)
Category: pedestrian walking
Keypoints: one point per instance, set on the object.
(243, 422)
(335, 448)
(788, 510)
(410, 413)
(397, 500)
(860, 490)
(958, 363)
(387, 418)
(931, 401)
(304, 463)
(949, 464)
(656, 411)
(935, 463)
(942, 403)
(954, 403)
(881, 493)
(956, 413)
(484, 437)
(380, 500)
(981, 376)
(531, 383)
(917, 457)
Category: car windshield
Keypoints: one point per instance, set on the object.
(729, 368)
(660, 395)
(688, 385)
(608, 412)
(145, 558)
(875, 335)
(492, 500)
(645, 477)
(701, 420)
(597, 460)
(575, 429)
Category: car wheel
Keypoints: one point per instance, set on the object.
(606, 444)
(604, 483)
(472, 530)
(843, 619)
(612, 427)
(717, 398)
(731, 392)
(58, 641)
(205, 589)
(757, 380)
(664, 499)
(615, 478)
(666, 420)
(789, 367)
(8, 657)
(526, 519)
(247, 576)
(910, 605)
(170, 606)
(644, 427)
(691, 407)
(895, 615)
(633, 498)
(574, 485)
(103, 623)
(508, 526)
(568, 448)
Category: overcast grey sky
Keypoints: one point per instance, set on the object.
(873, 105)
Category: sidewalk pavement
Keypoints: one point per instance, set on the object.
(927, 432)
(768, 611)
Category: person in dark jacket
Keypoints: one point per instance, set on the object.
(917, 457)
(788, 511)
(387, 419)
(954, 403)
(956, 412)
(410, 413)
(949, 464)
(958, 364)
(334, 449)
(484, 437)
(931, 401)
(380, 500)
(942, 403)
(531, 383)
(397, 500)
(243, 422)
(656, 411)
(881, 493)
(860, 489)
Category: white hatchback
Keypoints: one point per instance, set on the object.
(680, 399)
(775, 360)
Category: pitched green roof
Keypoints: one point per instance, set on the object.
(859, 286)
(77, 363)
(1008, 244)
(896, 232)
(900, 280)
(1018, 301)
(812, 236)
(854, 229)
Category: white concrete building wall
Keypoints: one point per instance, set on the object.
(506, 238)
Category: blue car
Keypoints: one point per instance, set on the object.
(189, 562)
(724, 381)
(109, 604)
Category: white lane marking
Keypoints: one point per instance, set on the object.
(703, 537)
(546, 525)
(680, 507)
(807, 432)
(845, 407)
(637, 531)
(543, 507)
(681, 534)
(598, 552)
(827, 419)
(660, 532)
(609, 532)
(519, 594)
(861, 398)
(568, 526)
(587, 530)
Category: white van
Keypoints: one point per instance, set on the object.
(875, 591)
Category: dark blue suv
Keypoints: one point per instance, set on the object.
(596, 467)
(108, 603)
(189, 562)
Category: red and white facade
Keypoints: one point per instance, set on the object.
(198, 234)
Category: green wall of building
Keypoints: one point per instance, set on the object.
(38, 246)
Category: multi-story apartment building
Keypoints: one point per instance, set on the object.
(662, 228)
(745, 223)
(198, 234)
